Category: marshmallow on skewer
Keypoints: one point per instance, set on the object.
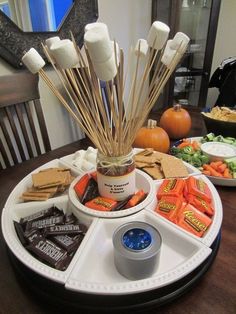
(141, 48)
(107, 70)
(99, 45)
(97, 25)
(33, 61)
(51, 41)
(169, 55)
(180, 42)
(158, 35)
(65, 54)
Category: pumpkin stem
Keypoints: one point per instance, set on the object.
(177, 107)
(151, 124)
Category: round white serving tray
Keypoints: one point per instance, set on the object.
(92, 268)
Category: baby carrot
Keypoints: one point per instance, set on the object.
(206, 172)
(222, 168)
(195, 145)
(184, 144)
(227, 174)
(216, 164)
(212, 171)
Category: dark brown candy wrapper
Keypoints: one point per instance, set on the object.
(70, 218)
(50, 253)
(121, 205)
(64, 229)
(67, 243)
(33, 235)
(91, 191)
(41, 214)
(20, 233)
(43, 223)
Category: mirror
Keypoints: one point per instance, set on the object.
(73, 16)
(36, 15)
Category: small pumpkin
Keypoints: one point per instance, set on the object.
(152, 136)
(176, 121)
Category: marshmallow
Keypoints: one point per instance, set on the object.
(158, 35)
(91, 157)
(180, 42)
(79, 154)
(106, 71)
(168, 55)
(64, 53)
(51, 41)
(86, 165)
(141, 48)
(33, 61)
(99, 45)
(96, 25)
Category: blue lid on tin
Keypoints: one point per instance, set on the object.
(136, 239)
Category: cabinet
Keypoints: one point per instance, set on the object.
(198, 19)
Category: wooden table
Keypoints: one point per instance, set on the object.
(215, 293)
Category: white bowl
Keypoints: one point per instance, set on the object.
(218, 150)
(143, 181)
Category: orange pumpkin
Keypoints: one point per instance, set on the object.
(152, 136)
(176, 121)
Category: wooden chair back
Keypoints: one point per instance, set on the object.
(22, 125)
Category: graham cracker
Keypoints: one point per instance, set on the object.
(173, 168)
(48, 178)
(146, 159)
(146, 152)
(31, 196)
(154, 172)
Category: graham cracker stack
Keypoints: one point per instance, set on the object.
(47, 183)
(159, 165)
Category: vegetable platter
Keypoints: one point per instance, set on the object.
(221, 173)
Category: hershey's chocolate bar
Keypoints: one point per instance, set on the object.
(70, 218)
(48, 252)
(20, 233)
(91, 191)
(41, 214)
(67, 243)
(33, 235)
(64, 229)
(43, 223)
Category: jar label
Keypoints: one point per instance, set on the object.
(116, 187)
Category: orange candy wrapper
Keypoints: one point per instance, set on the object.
(199, 188)
(171, 187)
(200, 204)
(168, 207)
(192, 220)
(101, 203)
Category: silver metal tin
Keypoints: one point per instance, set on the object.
(136, 263)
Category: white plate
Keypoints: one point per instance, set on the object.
(92, 268)
(217, 180)
(143, 181)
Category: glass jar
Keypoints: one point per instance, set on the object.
(116, 176)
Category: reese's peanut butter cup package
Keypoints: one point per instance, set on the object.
(171, 187)
(101, 203)
(199, 188)
(168, 206)
(192, 220)
(202, 205)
